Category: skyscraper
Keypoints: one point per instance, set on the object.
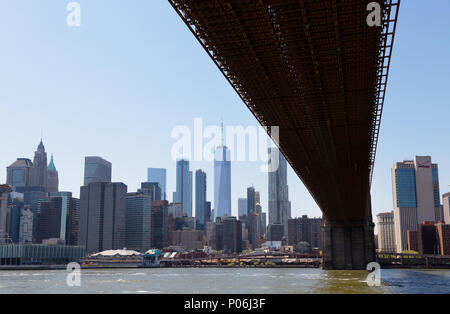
(446, 201)
(279, 204)
(69, 216)
(222, 182)
(200, 199)
(242, 207)
(416, 196)
(158, 175)
(386, 232)
(152, 189)
(96, 169)
(138, 222)
(250, 200)
(19, 173)
(102, 223)
(52, 177)
(39, 172)
(183, 194)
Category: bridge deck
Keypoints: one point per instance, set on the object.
(316, 70)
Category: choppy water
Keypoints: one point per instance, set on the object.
(228, 281)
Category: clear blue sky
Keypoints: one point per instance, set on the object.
(117, 86)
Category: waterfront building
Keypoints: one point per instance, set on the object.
(427, 239)
(443, 232)
(279, 204)
(52, 177)
(138, 221)
(27, 221)
(69, 217)
(413, 241)
(304, 230)
(4, 203)
(191, 240)
(18, 174)
(15, 209)
(102, 223)
(25, 254)
(276, 232)
(183, 194)
(158, 175)
(49, 223)
(416, 196)
(386, 232)
(232, 235)
(96, 169)
(200, 200)
(218, 234)
(222, 181)
(159, 225)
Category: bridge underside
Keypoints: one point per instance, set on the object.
(317, 71)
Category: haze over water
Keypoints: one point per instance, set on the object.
(224, 281)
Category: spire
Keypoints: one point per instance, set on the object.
(51, 165)
(223, 138)
(41, 147)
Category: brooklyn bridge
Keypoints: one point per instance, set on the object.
(318, 70)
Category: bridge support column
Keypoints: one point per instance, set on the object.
(348, 245)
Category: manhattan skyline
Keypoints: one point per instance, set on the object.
(89, 70)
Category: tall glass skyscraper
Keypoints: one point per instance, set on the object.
(222, 182)
(279, 204)
(96, 169)
(417, 199)
(183, 194)
(200, 199)
(158, 175)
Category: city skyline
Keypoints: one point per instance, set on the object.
(124, 148)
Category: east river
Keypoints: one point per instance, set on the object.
(224, 281)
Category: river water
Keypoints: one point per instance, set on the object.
(227, 281)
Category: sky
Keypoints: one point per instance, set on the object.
(117, 86)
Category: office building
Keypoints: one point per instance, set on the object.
(279, 204)
(138, 222)
(18, 174)
(232, 235)
(27, 221)
(39, 169)
(304, 230)
(413, 241)
(96, 169)
(152, 189)
(158, 175)
(52, 177)
(102, 224)
(159, 225)
(183, 194)
(276, 232)
(69, 217)
(49, 223)
(4, 203)
(446, 208)
(263, 224)
(416, 196)
(200, 200)
(190, 240)
(242, 207)
(386, 232)
(443, 233)
(427, 238)
(250, 200)
(254, 229)
(222, 181)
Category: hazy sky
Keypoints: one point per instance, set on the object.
(118, 85)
